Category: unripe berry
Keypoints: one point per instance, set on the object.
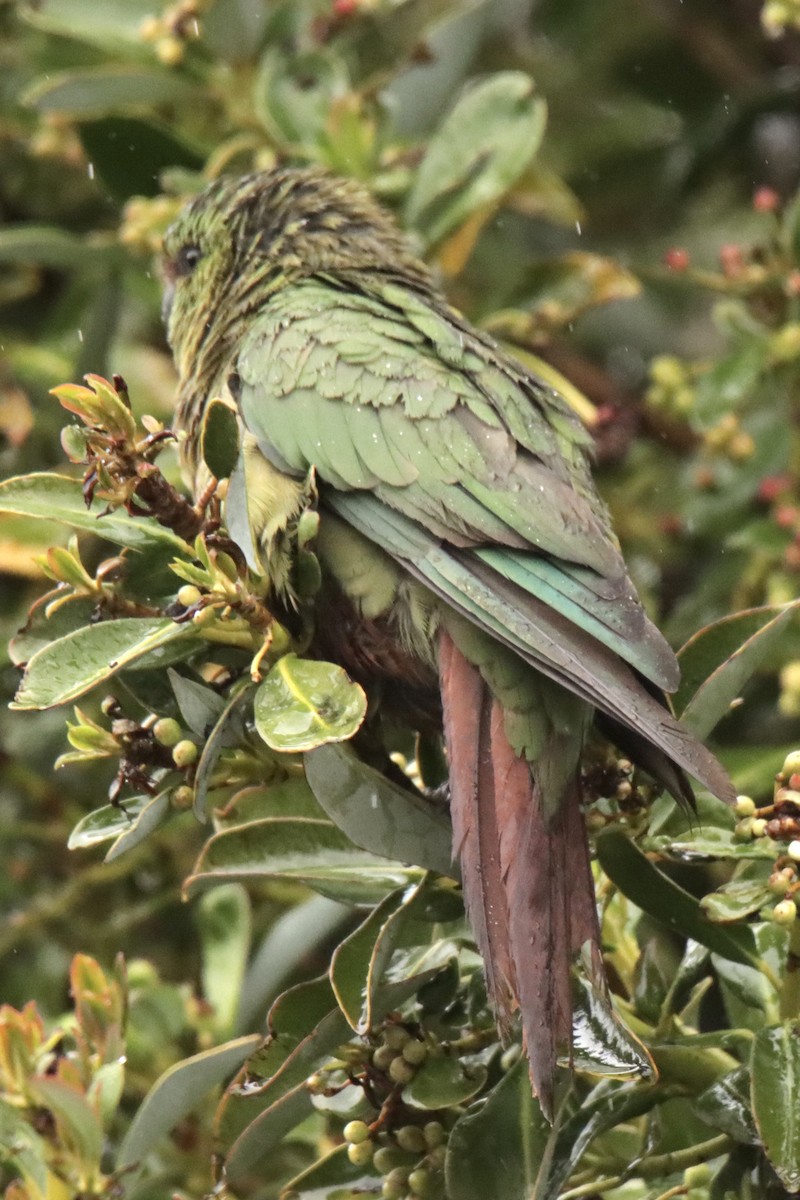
(182, 797)
(759, 827)
(785, 912)
(437, 1156)
(745, 806)
(360, 1153)
(434, 1134)
(189, 595)
(396, 1182)
(793, 850)
(185, 753)
(396, 1037)
(694, 1176)
(778, 883)
(743, 831)
(167, 731)
(355, 1132)
(420, 1181)
(383, 1057)
(411, 1138)
(791, 763)
(386, 1158)
(400, 1071)
(415, 1052)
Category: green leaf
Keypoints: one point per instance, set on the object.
(310, 851)
(775, 1071)
(726, 1106)
(49, 246)
(142, 824)
(290, 940)
(333, 1170)
(200, 706)
(219, 439)
(223, 917)
(642, 882)
(601, 1043)
(23, 1148)
(178, 1092)
(751, 1001)
(443, 1082)
(107, 822)
(227, 731)
(114, 24)
(71, 666)
(78, 1125)
(738, 899)
(102, 90)
(58, 498)
(378, 815)
(40, 629)
(719, 660)
(359, 962)
(478, 152)
(496, 1148)
(128, 154)
(303, 704)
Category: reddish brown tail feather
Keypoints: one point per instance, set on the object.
(528, 886)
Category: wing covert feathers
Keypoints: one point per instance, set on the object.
(528, 886)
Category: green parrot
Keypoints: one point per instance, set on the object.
(469, 566)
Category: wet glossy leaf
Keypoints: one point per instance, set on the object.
(220, 439)
(726, 1106)
(775, 1070)
(376, 814)
(52, 497)
(303, 704)
(478, 152)
(307, 850)
(442, 1082)
(642, 882)
(736, 900)
(107, 822)
(102, 90)
(178, 1092)
(601, 1044)
(750, 999)
(496, 1149)
(719, 660)
(71, 666)
(223, 918)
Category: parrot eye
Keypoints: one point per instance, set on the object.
(187, 259)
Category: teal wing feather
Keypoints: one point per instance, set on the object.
(389, 396)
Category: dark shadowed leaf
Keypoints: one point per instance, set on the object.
(601, 1044)
(496, 1148)
(377, 814)
(442, 1082)
(775, 1071)
(642, 882)
(726, 1106)
(227, 731)
(303, 704)
(220, 439)
(128, 154)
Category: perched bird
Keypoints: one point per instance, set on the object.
(464, 550)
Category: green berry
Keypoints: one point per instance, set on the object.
(793, 850)
(759, 827)
(182, 797)
(437, 1156)
(386, 1159)
(400, 1071)
(415, 1052)
(360, 1153)
(383, 1057)
(355, 1132)
(392, 1191)
(743, 831)
(745, 806)
(420, 1181)
(693, 1176)
(167, 731)
(785, 912)
(185, 753)
(397, 1181)
(396, 1037)
(791, 764)
(189, 595)
(434, 1134)
(411, 1137)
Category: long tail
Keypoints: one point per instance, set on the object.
(528, 885)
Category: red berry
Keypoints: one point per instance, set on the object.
(676, 258)
(786, 516)
(773, 486)
(345, 8)
(731, 259)
(766, 199)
